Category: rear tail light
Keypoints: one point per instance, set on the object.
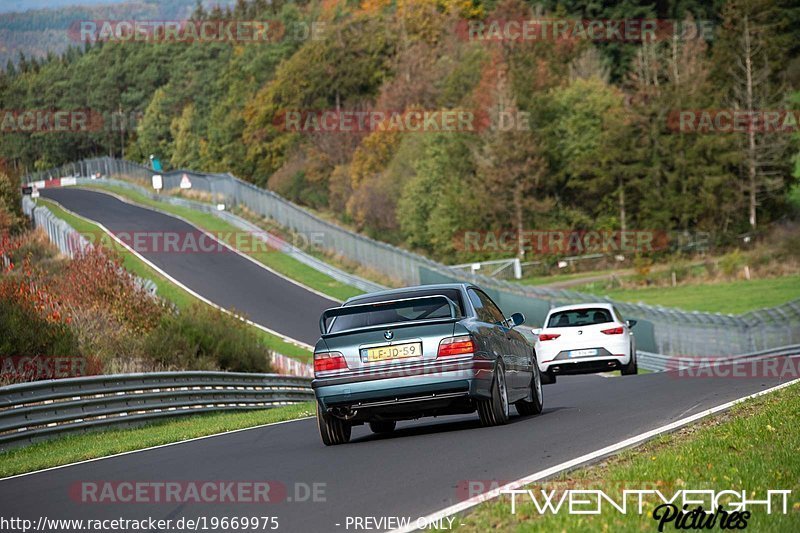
(456, 346)
(548, 336)
(614, 331)
(325, 361)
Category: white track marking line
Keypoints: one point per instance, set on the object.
(194, 439)
(627, 443)
(197, 295)
(689, 409)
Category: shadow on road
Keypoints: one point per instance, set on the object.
(445, 426)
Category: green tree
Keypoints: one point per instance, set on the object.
(336, 72)
(186, 149)
(154, 132)
(439, 201)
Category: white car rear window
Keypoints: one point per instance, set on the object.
(579, 317)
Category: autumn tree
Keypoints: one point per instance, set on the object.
(764, 166)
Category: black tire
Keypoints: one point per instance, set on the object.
(548, 378)
(332, 430)
(534, 407)
(632, 368)
(494, 411)
(382, 426)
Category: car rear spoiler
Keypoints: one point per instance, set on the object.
(346, 310)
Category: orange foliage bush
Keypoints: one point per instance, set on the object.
(96, 281)
(90, 301)
(92, 281)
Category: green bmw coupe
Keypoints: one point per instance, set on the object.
(421, 351)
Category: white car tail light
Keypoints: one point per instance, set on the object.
(548, 336)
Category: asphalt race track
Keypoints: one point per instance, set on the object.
(224, 277)
(422, 468)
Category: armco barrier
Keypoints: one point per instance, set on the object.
(61, 234)
(661, 330)
(31, 412)
(660, 363)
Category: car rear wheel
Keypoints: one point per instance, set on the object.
(382, 426)
(533, 407)
(332, 430)
(632, 367)
(494, 411)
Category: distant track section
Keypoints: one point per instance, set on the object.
(222, 276)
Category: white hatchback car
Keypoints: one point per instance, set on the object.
(585, 339)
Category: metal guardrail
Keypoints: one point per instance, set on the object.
(61, 234)
(32, 412)
(40, 410)
(670, 331)
(66, 238)
(661, 363)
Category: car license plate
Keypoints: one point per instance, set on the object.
(582, 353)
(397, 351)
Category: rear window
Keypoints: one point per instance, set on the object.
(391, 316)
(579, 317)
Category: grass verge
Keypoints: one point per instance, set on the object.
(279, 262)
(103, 443)
(733, 297)
(754, 447)
(166, 289)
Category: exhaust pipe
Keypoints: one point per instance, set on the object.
(345, 413)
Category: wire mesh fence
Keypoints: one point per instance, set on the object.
(660, 330)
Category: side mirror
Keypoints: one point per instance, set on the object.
(517, 319)
(631, 323)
